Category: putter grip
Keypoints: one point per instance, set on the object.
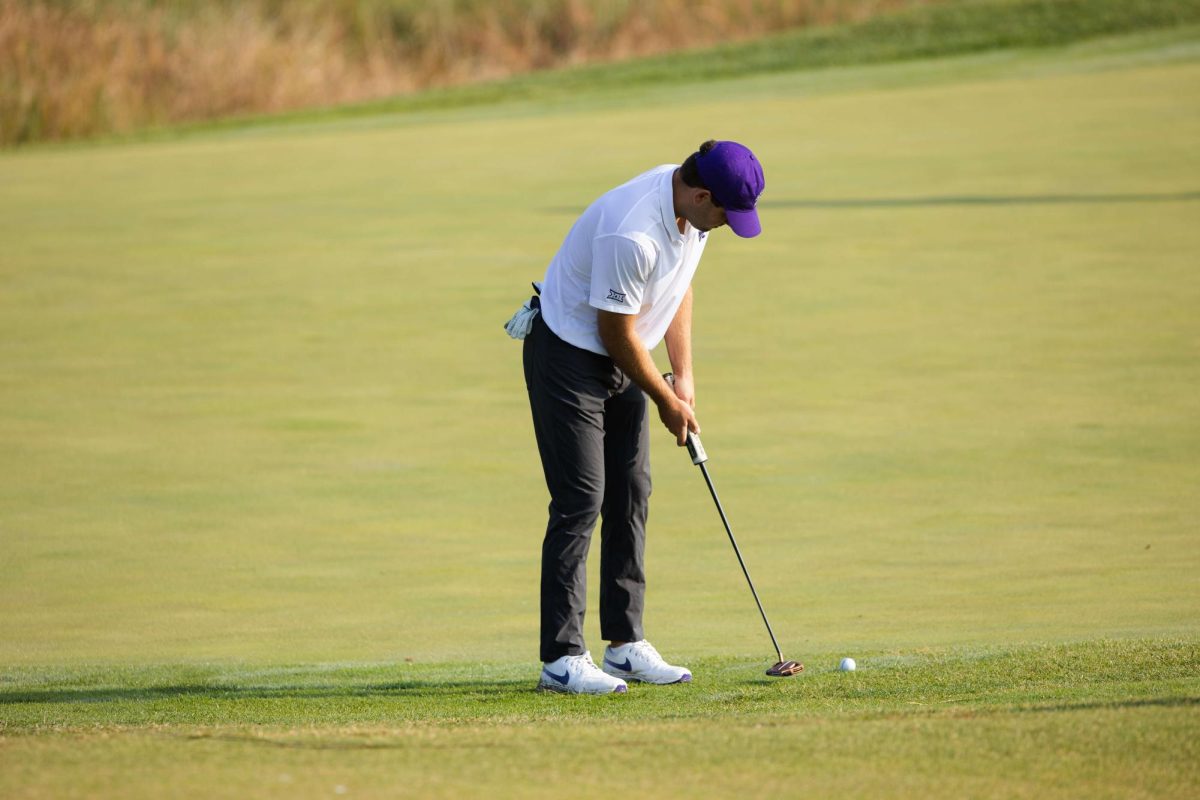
(695, 449)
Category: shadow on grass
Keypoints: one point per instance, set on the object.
(934, 201)
(440, 689)
(407, 743)
(984, 200)
(1113, 705)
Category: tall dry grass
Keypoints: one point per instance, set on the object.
(78, 69)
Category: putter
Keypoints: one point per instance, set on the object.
(782, 668)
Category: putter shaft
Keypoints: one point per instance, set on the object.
(699, 457)
(736, 550)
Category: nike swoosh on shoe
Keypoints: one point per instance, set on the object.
(626, 667)
(563, 679)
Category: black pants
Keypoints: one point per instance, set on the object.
(590, 422)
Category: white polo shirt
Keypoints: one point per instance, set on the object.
(624, 254)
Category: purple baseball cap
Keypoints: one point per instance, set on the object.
(735, 178)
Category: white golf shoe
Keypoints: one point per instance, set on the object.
(639, 661)
(578, 675)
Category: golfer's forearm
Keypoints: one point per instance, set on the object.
(630, 355)
(679, 338)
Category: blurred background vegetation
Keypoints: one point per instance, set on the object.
(72, 69)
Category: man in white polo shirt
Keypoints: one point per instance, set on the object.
(619, 285)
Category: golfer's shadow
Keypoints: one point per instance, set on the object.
(442, 689)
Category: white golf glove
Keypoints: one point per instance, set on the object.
(522, 322)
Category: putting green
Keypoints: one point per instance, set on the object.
(257, 403)
(270, 509)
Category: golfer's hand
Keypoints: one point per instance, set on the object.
(679, 418)
(685, 390)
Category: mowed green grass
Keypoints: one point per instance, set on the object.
(1105, 719)
(257, 415)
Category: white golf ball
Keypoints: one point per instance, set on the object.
(847, 665)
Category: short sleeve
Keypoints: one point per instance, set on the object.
(621, 270)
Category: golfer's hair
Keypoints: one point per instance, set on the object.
(688, 172)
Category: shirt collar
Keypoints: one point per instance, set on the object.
(666, 197)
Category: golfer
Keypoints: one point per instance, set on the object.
(619, 284)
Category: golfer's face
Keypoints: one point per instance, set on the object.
(709, 215)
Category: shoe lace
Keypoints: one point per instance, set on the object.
(646, 650)
(584, 661)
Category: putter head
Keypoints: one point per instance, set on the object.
(785, 669)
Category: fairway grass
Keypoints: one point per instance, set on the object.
(270, 508)
(1101, 719)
